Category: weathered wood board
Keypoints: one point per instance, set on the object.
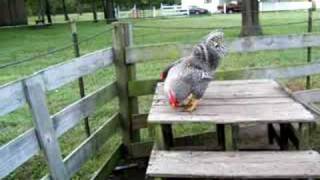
(61, 74)
(147, 86)
(71, 115)
(11, 97)
(241, 101)
(239, 45)
(18, 151)
(309, 96)
(92, 145)
(263, 164)
(44, 129)
(64, 120)
(12, 94)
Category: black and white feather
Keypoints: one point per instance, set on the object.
(192, 74)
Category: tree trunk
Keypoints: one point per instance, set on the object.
(104, 8)
(109, 11)
(250, 18)
(41, 12)
(79, 7)
(94, 11)
(66, 17)
(48, 11)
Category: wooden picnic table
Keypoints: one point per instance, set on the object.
(227, 104)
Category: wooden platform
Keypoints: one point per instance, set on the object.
(241, 101)
(195, 164)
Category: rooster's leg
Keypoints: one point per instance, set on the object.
(189, 100)
(193, 105)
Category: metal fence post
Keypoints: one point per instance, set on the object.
(309, 49)
(81, 82)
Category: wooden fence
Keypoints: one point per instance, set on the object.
(47, 128)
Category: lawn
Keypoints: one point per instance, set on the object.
(24, 42)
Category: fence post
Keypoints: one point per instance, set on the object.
(309, 49)
(47, 138)
(133, 101)
(116, 12)
(154, 11)
(75, 42)
(124, 73)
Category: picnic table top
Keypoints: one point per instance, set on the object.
(239, 101)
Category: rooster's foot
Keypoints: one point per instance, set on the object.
(189, 101)
(190, 107)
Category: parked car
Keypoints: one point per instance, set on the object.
(233, 6)
(197, 10)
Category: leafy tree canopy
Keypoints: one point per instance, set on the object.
(72, 5)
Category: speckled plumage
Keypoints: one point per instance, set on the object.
(192, 74)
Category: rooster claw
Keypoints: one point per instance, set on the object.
(192, 106)
(189, 109)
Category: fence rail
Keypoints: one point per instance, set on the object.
(18, 151)
(32, 90)
(284, 6)
(26, 145)
(240, 45)
(12, 97)
(147, 87)
(174, 10)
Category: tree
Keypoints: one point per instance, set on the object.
(48, 11)
(66, 17)
(79, 7)
(108, 7)
(94, 10)
(41, 12)
(250, 18)
(104, 8)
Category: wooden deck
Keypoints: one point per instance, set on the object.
(262, 101)
(195, 164)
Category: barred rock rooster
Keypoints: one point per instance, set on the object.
(187, 79)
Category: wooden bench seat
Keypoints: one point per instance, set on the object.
(262, 164)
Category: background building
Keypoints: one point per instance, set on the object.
(210, 5)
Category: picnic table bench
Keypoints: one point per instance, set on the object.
(227, 104)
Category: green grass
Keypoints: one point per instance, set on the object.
(24, 42)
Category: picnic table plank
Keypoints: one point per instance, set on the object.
(240, 101)
(262, 164)
(216, 90)
(225, 114)
(232, 101)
